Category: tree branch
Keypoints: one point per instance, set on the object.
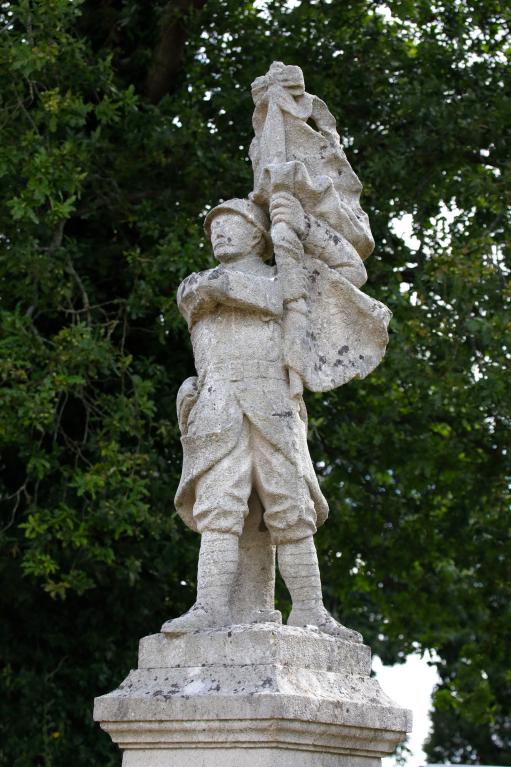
(168, 54)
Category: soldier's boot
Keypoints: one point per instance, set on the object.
(298, 565)
(218, 562)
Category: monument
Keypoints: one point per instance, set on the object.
(226, 683)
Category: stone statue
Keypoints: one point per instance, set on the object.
(226, 684)
(282, 312)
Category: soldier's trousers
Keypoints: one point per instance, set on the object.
(222, 493)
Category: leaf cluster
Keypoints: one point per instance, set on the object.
(104, 189)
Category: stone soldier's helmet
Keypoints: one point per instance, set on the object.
(251, 212)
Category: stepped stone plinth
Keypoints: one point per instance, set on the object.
(252, 695)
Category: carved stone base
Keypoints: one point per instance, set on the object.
(252, 695)
(242, 757)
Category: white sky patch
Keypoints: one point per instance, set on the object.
(402, 227)
(410, 684)
(440, 230)
(385, 12)
(443, 223)
(201, 55)
(498, 259)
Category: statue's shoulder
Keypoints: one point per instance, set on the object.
(195, 279)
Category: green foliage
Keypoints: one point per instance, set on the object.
(103, 196)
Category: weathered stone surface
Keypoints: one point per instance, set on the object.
(226, 684)
(243, 757)
(252, 688)
(257, 644)
(282, 312)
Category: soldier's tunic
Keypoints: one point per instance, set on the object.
(244, 432)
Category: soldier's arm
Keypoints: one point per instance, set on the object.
(343, 252)
(320, 241)
(250, 292)
(194, 297)
(201, 292)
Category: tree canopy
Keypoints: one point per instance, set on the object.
(121, 122)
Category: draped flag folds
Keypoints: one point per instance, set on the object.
(341, 333)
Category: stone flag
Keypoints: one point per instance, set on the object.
(338, 333)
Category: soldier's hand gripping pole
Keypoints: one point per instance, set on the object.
(289, 258)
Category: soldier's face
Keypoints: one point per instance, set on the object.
(233, 237)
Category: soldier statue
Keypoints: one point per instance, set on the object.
(282, 312)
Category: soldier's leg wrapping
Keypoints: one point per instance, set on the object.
(298, 565)
(218, 564)
(291, 519)
(219, 510)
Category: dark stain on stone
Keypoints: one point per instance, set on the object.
(343, 350)
(284, 414)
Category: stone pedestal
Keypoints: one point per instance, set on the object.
(253, 695)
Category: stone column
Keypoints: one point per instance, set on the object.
(252, 696)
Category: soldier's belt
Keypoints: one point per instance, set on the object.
(237, 370)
